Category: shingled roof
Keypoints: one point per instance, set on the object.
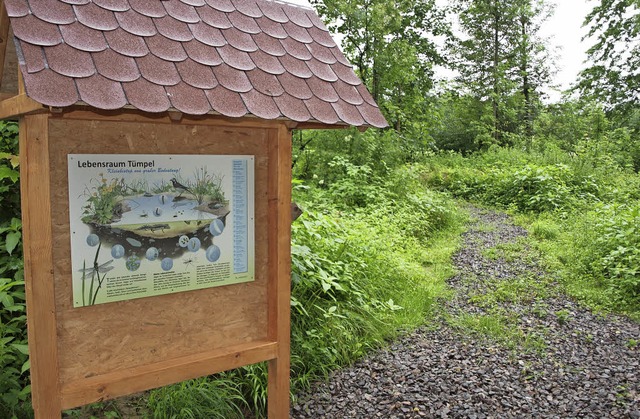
(231, 57)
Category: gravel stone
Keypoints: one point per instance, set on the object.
(585, 368)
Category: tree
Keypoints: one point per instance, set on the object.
(391, 44)
(502, 61)
(614, 76)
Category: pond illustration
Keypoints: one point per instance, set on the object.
(137, 215)
(160, 228)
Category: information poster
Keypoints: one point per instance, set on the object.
(147, 225)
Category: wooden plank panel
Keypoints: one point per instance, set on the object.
(38, 259)
(98, 340)
(279, 270)
(133, 380)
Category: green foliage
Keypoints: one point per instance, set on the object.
(526, 188)
(545, 229)
(195, 399)
(614, 76)
(357, 187)
(14, 355)
(609, 242)
(502, 64)
(531, 188)
(392, 45)
(355, 281)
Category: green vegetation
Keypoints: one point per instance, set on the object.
(366, 265)
(500, 328)
(14, 362)
(195, 399)
(580, 202)
(371, 253)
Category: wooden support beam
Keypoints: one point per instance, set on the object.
(132, 380)
(317, 125)
(38, 262)
(16, 106)
(279, 292)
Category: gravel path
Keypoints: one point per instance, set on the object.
(567, 362)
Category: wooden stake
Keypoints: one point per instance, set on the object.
(38, 265)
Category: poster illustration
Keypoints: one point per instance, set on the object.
(147, 225)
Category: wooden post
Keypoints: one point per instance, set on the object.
(38, 264)
(280, 271)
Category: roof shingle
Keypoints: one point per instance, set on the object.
(266, 58)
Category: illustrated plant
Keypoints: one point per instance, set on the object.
(89, 299)
(104, 200)
(207, 185)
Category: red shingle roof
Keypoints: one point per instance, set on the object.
(232, 57)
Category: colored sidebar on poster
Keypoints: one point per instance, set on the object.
(147, 225)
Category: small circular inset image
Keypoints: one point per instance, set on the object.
(117, 251)
(152, 253)
(213, 253)
(194, 244)
(93, 240)
(133, 263)
(183, 241)
(216, 227)
(167, 264)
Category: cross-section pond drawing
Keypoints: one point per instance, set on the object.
(138, 215)
(156, 218)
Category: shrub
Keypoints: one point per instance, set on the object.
(531, 188)
(14, 364)
(607, 245)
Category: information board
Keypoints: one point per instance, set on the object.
(146, 225)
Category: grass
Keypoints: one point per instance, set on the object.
(496, 320)
(501, 328)
(194, 399)
(559, 244)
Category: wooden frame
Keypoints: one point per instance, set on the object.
(79, 356)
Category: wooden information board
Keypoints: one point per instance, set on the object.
(81, 355)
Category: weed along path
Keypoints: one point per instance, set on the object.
(507, 344)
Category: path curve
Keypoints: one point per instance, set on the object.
(568, 363)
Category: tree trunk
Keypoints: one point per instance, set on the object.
(526, 87)
(496, 63)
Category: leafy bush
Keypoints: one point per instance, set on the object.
(607, 247)
(14, 363)
(531, 188)
(356, 186)
(527, 182)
